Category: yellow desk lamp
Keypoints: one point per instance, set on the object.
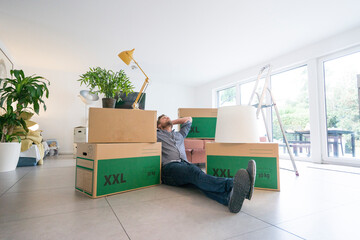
(127, 56)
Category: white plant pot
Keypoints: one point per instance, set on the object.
(9, 156)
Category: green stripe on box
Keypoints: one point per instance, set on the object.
(227, 166)
(117, 175)
(83, 191)
(85, 168)
(203, 127)
(85, 159)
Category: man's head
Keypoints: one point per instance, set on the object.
(164, 122)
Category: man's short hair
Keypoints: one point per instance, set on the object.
(158, 120)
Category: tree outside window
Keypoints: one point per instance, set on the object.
(227, 97)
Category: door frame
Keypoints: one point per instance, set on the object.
(350, 161)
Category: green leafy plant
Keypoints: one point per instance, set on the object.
(26, 92)
(23, 92)
(106, 82)
(8, 121)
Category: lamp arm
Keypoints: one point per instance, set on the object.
(139, 67)
(146, 82)
(135, 105)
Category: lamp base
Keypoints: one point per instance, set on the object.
(127, 101)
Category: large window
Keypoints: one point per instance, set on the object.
(333, 107)
(245, 92)
(227, 97)
(342, 106)
(291, 93)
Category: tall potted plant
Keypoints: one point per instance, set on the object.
(9, 150)
(108, 83)
(25, 93)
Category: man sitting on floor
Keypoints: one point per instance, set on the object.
(177, 171)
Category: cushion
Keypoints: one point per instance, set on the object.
(26, 115)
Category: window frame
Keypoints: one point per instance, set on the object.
(218, 90)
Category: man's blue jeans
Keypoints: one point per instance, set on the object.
(182, 173)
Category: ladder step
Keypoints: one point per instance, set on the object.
(263, 106)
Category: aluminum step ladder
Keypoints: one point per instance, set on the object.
(261, 106)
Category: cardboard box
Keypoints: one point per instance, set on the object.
(204, 121)
(108, 125)
(106, 169)
(225, 159)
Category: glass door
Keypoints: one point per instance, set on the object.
(246, 90)
(291, 93)
(342, 108)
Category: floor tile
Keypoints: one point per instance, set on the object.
(16, 174)
(59, 161)
(187, 217)
(337, 223)
(269, 233)
(299, 196)
(48, 178)
(21, 205)
(8, 179)
(99, 223)
(147, 194)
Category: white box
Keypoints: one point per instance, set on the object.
(80, 134)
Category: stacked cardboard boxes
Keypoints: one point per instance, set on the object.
(202, 131)
(122, 153)
(80, 136)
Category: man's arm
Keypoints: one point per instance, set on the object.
(185, 125)
(182, 120)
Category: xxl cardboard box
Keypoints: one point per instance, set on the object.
(105, 169)
(225, 159)
(204, 121)
(108, 125)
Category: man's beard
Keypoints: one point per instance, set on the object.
(167, 124)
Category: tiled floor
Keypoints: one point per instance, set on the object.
(41, 203)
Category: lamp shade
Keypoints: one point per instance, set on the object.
(126, 56)
(237, 124)
(87, 97)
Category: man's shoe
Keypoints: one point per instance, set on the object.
(251, 169)
(240, 189)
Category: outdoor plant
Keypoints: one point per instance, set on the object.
(23, 92)
(106, 82)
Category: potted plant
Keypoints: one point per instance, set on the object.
(25, 93)
(108, 83)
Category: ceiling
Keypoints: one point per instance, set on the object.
(190, 42)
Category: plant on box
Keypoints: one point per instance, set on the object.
(108, 83)
(25, 93)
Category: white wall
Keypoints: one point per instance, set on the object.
(65, 110)
(348, 39)
(4, 49)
